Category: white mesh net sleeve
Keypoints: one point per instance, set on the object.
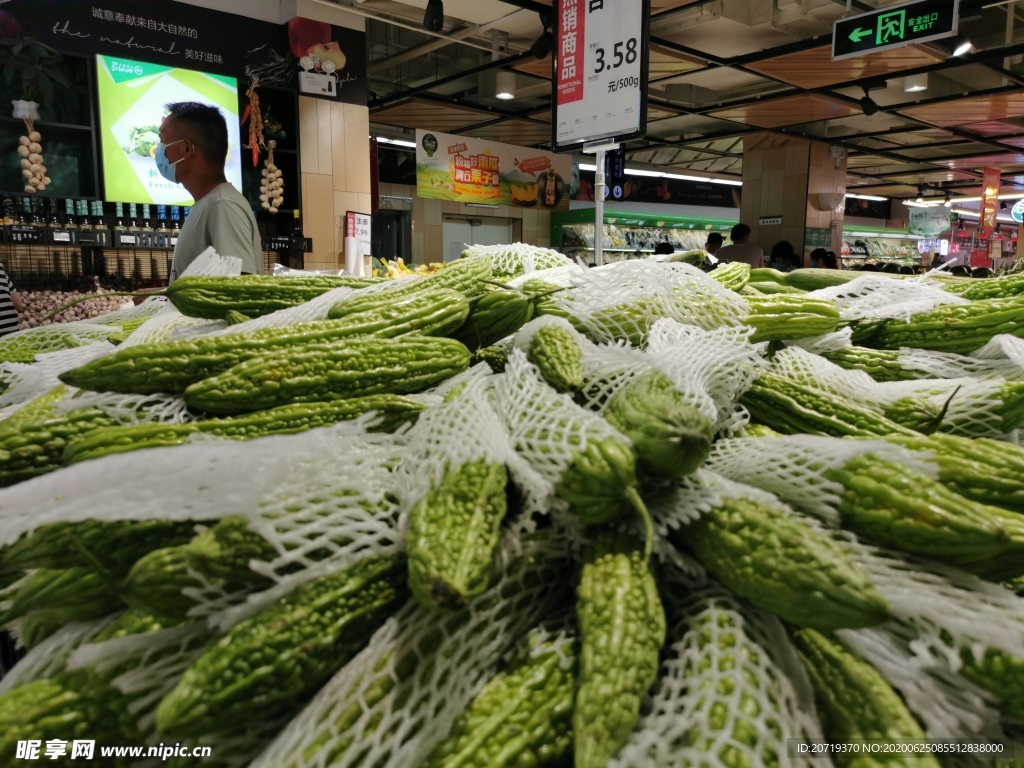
(547, 429)
(947, 705)
(318, 515)
(27, 381)
(976, 407)
(212, 264)
(130, 409)
(730, 691)
(830, 342)
(518, 258)
(52, 654)
(53, 338)
(622, 301)
(873, 297)
(397, 698)
(162, 325)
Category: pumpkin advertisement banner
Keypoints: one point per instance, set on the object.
(464, 169)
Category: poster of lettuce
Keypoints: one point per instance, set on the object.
(465, 169)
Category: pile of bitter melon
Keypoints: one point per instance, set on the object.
(633, 516)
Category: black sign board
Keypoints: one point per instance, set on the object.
(894, 27)
(614, 173)
(27, 235)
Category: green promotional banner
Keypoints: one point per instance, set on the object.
(469, 170)
(133, 96)
(929, 222)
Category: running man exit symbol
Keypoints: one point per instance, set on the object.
(890, 27)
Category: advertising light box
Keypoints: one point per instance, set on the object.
(133, 96)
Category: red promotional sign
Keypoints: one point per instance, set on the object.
(571, 43)
(989, 200)
(980, 258)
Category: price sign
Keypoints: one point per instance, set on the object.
(600, 70)
(26, 235)
(62, 237)
(127, 239)
(358, 226)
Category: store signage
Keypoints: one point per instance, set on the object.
(615, 174)
(26, 235)
(358, 225)
(980, 258)
(894, 27)
(765, 221)
(177, 34)
(469, 170)
(929, 222)
(1017, 212)
(600, 70)
(990, 178)
(126, 239)
(818, 237)
(661, 191)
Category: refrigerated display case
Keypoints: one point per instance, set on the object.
(630, 235)
(879, 244)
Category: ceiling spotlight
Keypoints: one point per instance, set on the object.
(433, 18)
(963, 45)
(868, 105)
(920, 195)
(542, 45)
(915, 83)
(948, 203)
(505, 86)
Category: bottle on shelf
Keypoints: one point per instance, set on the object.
(85, 233)
(133, 224)
(147, 229)
(163, 233)
(70, 225)
(38, 218)
(175, 226)
(119, 226)
(99, 225)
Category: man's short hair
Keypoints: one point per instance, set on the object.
(715, 238)
(205, 126)
(739, 232)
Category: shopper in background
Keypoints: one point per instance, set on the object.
(822, 259)
(192, 151)
(715, 241)
(10, 304)
(783, 257)
(664, 248)
(741, 250)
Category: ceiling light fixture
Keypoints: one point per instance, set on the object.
(915, 83)
(505, 85)
(876, 198)
(948, 203)
(397, 142)
(920, 195)
(542, 45)
(867, 104)
(963, 45)
(433, 18)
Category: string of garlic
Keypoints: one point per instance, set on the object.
(31, 152)
(272, 185)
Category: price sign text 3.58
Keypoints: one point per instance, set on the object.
(619, 55)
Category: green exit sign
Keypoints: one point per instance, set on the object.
(893, 27)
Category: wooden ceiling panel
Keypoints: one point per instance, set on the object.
(666, 63)
(535, 67)
(979, 109)
(985, 161)
(522, 132)
(814, 67)
(933, 177)
(992, 128)
(791, 110)
(430, 115)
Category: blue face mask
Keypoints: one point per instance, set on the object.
(165, 166)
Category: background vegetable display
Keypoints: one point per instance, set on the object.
(517, 512)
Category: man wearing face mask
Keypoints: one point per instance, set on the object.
(192, 151)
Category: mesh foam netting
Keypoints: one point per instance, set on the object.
(1003, 346)
(975, 406)
(130, 409)
(462, 428)
(212, 264)
(561, 277)
(397, 698)
(27, 381)
(518, 258)
(930, 596)
(873, 297)
(51, 655)
(949, 365)
(830, 342)
(947, 705)
(622, 301)
(730, 691)
(546, 428)
(53, 338)
(319, 514)
(722, 362)
(147, 309)
(147, 666)
(162, 326)
(794, 467)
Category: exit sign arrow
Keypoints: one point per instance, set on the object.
(905, 23)
(858, 34)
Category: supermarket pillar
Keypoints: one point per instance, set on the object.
(785, 181)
